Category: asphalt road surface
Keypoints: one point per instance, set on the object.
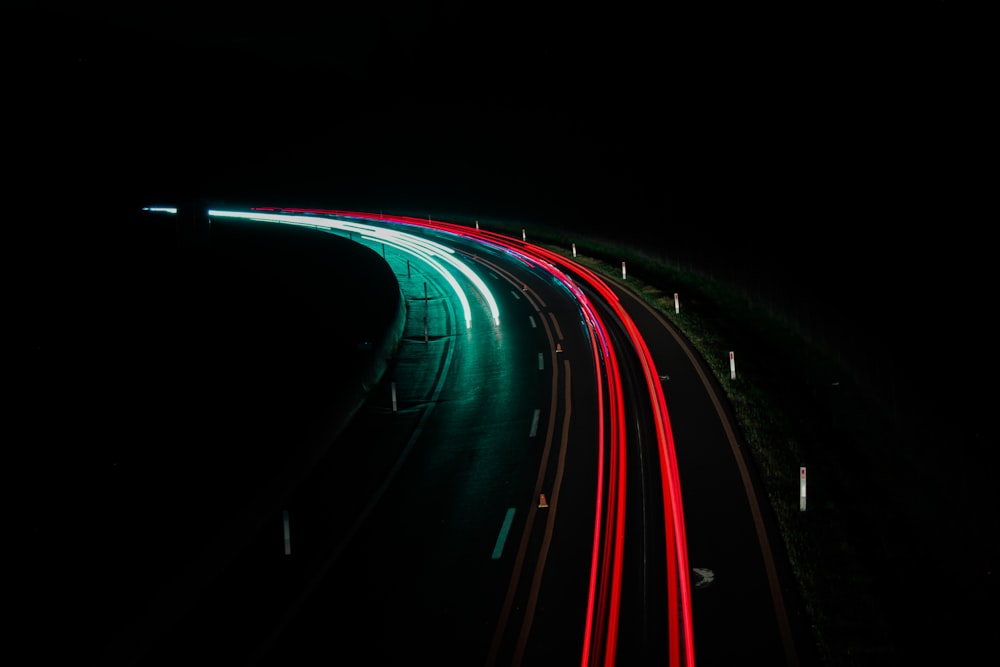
(234, 529)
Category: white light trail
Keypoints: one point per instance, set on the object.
(426, 250)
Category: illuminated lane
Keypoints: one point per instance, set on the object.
(601, 628)
(511, 639)
(554, 584)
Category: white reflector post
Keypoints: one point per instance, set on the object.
(732, 366)
(623, 270)
(802, 489)
(677, 304)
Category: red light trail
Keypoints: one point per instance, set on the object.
(604, 598)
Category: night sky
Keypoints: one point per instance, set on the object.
(833, 155)
(776, 130)
(834, 152)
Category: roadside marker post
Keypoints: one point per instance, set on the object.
(732, 366)
(802, 489)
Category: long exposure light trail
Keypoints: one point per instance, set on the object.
(604, 596)
(679, 612)
(678, 569)
(428, 250)
(425, 249)
(682, 648)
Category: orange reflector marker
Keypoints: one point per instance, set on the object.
(542, 502)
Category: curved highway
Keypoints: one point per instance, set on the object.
(548, 527)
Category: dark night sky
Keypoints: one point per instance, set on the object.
(676, 114)
(833, 151)
(766, 127)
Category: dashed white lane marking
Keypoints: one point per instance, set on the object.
(534, 423)
(502, 537)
